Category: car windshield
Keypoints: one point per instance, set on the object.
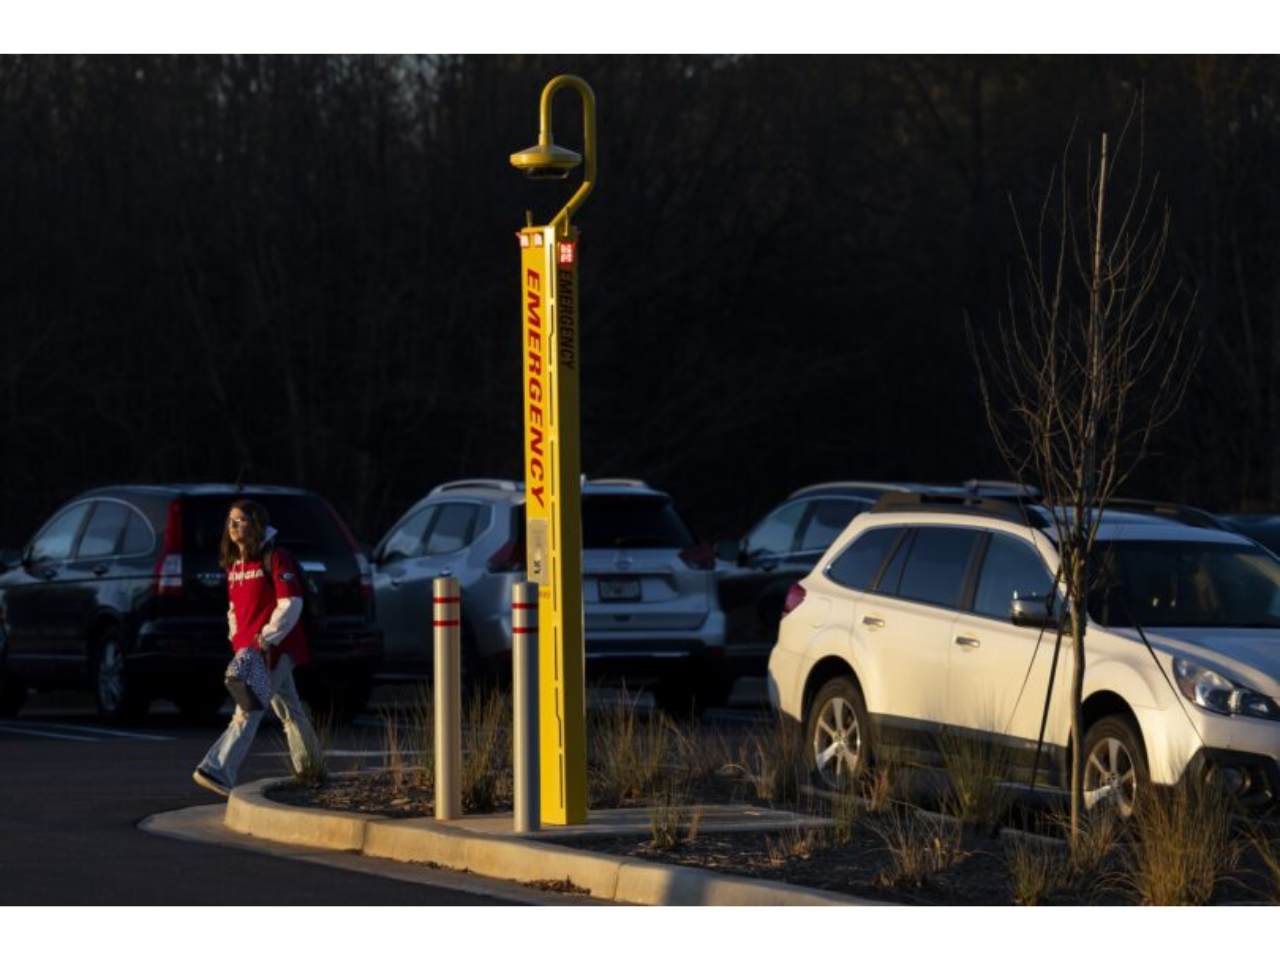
(1172, 584)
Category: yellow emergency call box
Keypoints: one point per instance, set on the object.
(553, 512)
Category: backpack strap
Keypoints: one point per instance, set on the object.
(268, 558)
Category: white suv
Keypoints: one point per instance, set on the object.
(933, 613)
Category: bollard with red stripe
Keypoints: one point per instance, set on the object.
(524, 683)
(447, 622)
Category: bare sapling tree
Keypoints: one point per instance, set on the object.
(1091, 359)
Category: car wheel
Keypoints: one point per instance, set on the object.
(838, 734)
(1115, 766)
(115, 685)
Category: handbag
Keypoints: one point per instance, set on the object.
(248, 680)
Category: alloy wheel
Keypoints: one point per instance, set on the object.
(837, 742)
(1110, 776)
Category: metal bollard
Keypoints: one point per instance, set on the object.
(524, 664)
(448, 680)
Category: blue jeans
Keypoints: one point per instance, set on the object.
(225, 756)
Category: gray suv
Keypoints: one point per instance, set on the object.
(652, 616)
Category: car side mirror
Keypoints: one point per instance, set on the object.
(1033, 611)
(730, 551)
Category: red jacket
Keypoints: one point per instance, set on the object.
(253, 595)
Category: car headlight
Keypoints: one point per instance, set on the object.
(1211, 690)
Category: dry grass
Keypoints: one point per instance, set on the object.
(1037, 870)
(976, 770)
(626, 751)
(846, 811)
(919, 847)
(408, 743)
(774, 761)
(1267, 849)
(394, 749)
(1184, 845)
(486, 750)
(796, 843)
(670, 813)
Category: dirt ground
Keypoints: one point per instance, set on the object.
(898, 855)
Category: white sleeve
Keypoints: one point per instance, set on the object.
(231, 621)
(283, 619)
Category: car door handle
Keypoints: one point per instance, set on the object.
(49, 574)
(969, 642)
(100, 569)
(875, 623)
(396, 581)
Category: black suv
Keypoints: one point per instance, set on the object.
(121, 592)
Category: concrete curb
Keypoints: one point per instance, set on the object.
(453, 845)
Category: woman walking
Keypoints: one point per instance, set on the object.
(265, 613)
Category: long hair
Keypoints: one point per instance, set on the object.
(255, 531)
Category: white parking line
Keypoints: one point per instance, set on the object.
(111, 732)
(32, 732)
(54, 731)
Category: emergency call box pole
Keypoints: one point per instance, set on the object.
(553, 464)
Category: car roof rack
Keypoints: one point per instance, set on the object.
(615, 481)
(874, 488)
(484, 483)
(1014, 511)
(1001, 489)
(1190, 516)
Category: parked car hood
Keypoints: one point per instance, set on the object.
(1251, 657)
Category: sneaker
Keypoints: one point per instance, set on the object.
(210, 782)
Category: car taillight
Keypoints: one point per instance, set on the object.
(700, 556)
(168, 578)
(509, 557)
(795, 597)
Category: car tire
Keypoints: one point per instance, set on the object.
(1115, 765)
(116, 686)
(13, 694)
(838, 736)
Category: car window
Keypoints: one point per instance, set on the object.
(610, 522)
(1011, 569)
(935, 568)
(301, 522)
(1172, 584)
(138, 536)
(827, 520)
(454, 528)
(55, 541)
(858, 564)
(102, 533)
(408, 540)
(776, 533)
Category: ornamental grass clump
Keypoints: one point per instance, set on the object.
(626, 750)
(1183, 845)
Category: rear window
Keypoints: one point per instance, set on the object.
(858, 565)
(631, 521)
(305, 525)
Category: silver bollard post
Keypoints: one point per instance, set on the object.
(447, 621)
(524, 663)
